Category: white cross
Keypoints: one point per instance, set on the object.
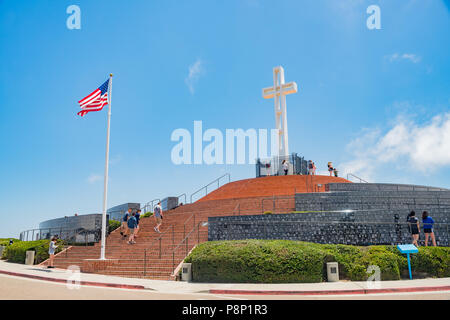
(279, 92)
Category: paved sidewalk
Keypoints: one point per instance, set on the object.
(342, 287)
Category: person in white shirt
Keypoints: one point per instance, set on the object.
(158, 217)
(285, 167)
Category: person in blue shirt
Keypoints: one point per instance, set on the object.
(131, 227)
(428, 228)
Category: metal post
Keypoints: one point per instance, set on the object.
(273, 203)
(187, 241)
(409, 266)
(105, 182)
(173, 237)
(173, 261)
(160, 247)
(145, 262)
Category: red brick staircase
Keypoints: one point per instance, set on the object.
(155, 255)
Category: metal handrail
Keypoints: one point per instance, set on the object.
(186, 221)
(150, 204)
(360, 180)
(182, 195)
(213, 182)
(158, 240)
(237, 206)
(275, 200)
(185, 240)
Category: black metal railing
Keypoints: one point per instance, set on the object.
(205, 188)
(69, 235)
(356, 177)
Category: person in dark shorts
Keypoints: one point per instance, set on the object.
(414, 227)
(285, 166)
(428, 228)
(131, 227)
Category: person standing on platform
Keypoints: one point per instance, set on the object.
(131, 227)
(428, 228)
(314, 169)
(330, 168)
(285, 167)
(158, 217)
(138, 217)
(123, 227)
(51, 251)
(414, 227)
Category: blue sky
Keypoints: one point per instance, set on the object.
(375, 102)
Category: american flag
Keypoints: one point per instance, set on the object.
(95, 101)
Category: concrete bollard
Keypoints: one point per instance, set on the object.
(332, 272)
(186, 272)
(29, 258)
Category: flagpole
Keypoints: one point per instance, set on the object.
(105, 187)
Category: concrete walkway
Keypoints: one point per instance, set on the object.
(335, 288)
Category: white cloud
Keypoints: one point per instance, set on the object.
(195, 71)
(93, 178)
(407, 146)
(405, 56)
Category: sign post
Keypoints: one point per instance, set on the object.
(408, 248)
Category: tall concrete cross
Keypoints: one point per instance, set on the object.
(279, 91)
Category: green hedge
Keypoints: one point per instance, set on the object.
(113, 225)
(5, 241)
(283, 261)
(17, 251)
(147, 214)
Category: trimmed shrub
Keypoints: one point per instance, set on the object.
(434, 261)
(283, 261)
(113, 225)
(147, 214)
(17, 251)
(5, 241)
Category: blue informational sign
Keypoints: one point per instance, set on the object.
(407, 249)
